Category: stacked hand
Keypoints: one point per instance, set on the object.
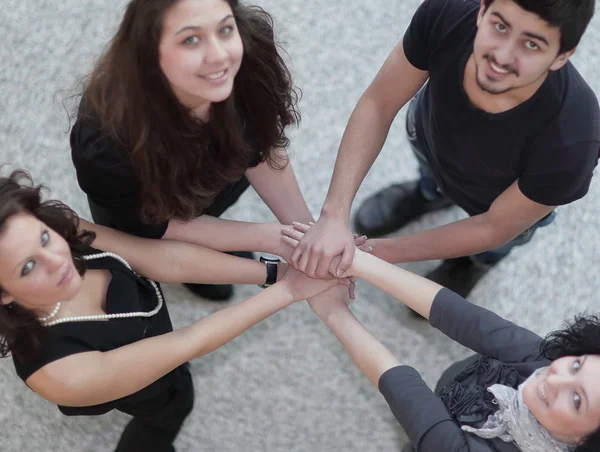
(336, 297)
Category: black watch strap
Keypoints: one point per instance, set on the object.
(271, 266)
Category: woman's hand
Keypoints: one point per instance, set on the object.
(326, 303)
(292, 237)
(302, 287)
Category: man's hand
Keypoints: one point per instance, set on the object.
(324, 241)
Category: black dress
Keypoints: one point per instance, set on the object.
(160, 408)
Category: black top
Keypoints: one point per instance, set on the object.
(126, 293)
(510, 354)
(550, 143)
(106, 175)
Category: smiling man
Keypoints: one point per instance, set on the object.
(502, 125)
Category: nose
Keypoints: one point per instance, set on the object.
(53, 261)
(504, 55)
(215, 52)
(557, 380)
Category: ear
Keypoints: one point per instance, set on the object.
(6, 299)
(561, 60)
(480, 13)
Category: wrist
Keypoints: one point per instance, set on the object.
(336, 211)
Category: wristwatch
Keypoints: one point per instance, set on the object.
(271, 266)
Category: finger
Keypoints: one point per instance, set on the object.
(351, 288)
(289, 232)
(296, 256)
(359, 241)
(322, 271)
(290, 241)
(301, 227)
(311, 267)
(304, 260)
(346, 261)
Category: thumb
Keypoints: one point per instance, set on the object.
(345, 261)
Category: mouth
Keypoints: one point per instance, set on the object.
(496, 71)
(67, 275)
(216, 77)
(542, 392)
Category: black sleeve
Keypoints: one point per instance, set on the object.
(109, 181)
(481, 330)
(423, 415)
(432, 21)
(559, 175)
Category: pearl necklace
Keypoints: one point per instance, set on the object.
(52, 314)
(97, 317)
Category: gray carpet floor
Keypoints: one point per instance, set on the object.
(285, 385)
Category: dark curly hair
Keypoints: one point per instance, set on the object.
(20, 331)
(181, 163)
(578, 338)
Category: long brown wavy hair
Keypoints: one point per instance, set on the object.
(20, 331)
(181, 163)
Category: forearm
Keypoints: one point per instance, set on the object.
(280, 191)
(413, 290)
(101, 379)
(363, 139)
(462, 238)
(227, 235)
(369, 355)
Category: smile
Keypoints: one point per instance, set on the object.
(67, 275)
(498, 69)
(216, 76)
(542, 392)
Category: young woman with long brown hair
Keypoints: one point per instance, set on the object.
(187, 107)
(88, 329)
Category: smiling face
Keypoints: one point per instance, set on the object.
(565, 398)
(200, 51)
(36, 265)
(514, 48)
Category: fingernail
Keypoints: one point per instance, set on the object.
(370, 248)
(364, 237)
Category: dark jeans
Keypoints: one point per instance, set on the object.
(431, 191)
(156, 432)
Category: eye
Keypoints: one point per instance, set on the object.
(226, 30)
(191, 40)
(576, 401)
(500, 27)
(576, 366)
(27, 268)
(45, 238)
(531, 45)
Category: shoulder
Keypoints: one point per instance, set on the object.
(446, 12)
(91, 147)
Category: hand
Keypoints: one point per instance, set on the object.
(302, 286)
(328, 238)
(330, 301)
(293, 236)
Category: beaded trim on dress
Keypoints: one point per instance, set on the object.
(122, 315)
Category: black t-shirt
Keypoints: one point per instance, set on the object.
(106, 175)
(126, 293)
(550, 143)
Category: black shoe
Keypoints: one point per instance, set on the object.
(390, 209)
(459, 275)
(217, 292)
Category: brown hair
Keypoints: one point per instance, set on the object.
(20, 331)
(181, 163)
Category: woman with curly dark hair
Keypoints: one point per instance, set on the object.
(89, 330)
(188, 106)
(519, 393)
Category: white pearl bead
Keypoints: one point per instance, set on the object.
(86, 318)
